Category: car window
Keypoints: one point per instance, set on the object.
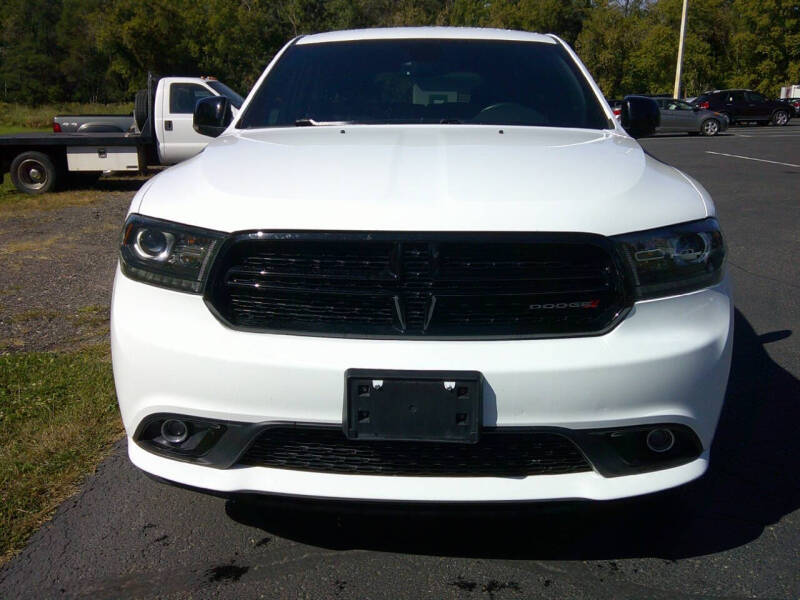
(755, 97)
(734, 97)
(684, 105)
(426, 81)
(183, 97)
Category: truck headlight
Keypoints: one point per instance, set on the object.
(167, 254)
(675, 259)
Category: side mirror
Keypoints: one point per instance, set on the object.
(640, 116)
(212, 115)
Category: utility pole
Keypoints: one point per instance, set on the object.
(677, 91)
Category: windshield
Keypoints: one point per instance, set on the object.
(425, 81)
(224, 90)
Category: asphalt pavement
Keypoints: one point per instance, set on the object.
(735, 533)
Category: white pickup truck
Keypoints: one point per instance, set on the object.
(163, 135)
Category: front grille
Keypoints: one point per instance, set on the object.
(497, 454)
(418, 285)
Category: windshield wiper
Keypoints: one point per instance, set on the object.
(451, 122)
(309, 122)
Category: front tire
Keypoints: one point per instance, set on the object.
(780, 117)
(33, 173)
(710, 127)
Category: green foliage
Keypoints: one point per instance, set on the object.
(101, 50)
(767, 44)
(20, 116)
(27, 41)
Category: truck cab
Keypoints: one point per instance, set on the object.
(162, 135)
(175, 100)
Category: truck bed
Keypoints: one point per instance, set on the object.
(73, 139)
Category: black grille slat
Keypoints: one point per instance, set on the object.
(312, 310)
(418, 285)
(495, 455)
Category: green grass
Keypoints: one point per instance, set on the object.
(5, 130)
(13, 202)
(19, 116)
(58, 416)
(7, 188)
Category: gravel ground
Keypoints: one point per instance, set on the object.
(56, 269)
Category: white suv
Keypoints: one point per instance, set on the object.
(422, 265)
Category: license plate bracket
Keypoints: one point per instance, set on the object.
(436, 406)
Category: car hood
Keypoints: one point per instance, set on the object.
(424, 178)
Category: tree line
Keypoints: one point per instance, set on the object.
(101, 50)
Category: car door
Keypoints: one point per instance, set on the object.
(180, 140)
(736, 105)
(685, 116)
(670, 116)
(758, 105)
(675, 116)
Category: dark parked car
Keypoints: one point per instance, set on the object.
(680, 116)
(794, 103)
(745, 105)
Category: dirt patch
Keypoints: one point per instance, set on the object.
(57, 262)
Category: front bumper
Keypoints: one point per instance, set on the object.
(667, 362)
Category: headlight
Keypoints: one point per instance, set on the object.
(673, 260)
(167, 254)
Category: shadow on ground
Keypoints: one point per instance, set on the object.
(753, 481)
(117, 182)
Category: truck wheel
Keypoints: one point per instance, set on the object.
(140, 109)
(710, 127)
(33, 173)
(780, 117)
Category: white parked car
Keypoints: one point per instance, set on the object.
(422, 264)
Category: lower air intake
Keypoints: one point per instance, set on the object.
(497, 454)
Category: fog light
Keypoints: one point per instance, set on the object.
(175, 431)
(660, 440)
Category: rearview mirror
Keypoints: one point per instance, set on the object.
(640, 116)
(212, 115)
